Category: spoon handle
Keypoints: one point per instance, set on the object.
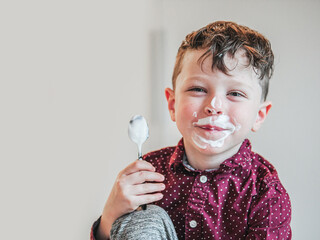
(144, 206)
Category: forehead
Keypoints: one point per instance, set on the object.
(239, 68)
(238, 62)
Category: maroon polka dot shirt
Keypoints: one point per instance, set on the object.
(243, 199)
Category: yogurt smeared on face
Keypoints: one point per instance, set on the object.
(216, 103)
(195, 114)
(222, 127)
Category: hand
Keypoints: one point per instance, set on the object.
(131, 189)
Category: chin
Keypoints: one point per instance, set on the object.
(208, 150)
(216, 147)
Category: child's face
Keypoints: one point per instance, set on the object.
(213, 111)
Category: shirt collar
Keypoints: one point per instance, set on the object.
(177, 156)
(241, 159)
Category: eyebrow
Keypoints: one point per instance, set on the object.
(232, 81)
(196, 78)
(238, 83)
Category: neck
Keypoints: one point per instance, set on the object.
(201, 161)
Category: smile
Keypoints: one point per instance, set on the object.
(211, 127)
(214, 131)
(222, 123)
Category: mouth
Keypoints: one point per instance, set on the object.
(209, 127)
(212, 125)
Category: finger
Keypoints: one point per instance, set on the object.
(138, 165)
(148, 198)
(144, 176)
(146, 188)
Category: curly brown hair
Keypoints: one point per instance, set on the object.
(221, 38)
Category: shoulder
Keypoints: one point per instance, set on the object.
(262, 167)
(161, 153)
(266, 174)
(160, 157)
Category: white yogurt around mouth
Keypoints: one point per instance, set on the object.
(221, 121)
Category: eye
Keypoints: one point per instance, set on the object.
(197, 89)
(236, 94)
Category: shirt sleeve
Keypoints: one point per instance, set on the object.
(270, 212)
(94, 229)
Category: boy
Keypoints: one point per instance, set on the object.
(211, 184)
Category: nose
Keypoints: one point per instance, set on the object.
(211, 111)
(214, 107)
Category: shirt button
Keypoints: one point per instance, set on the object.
(193, 223)
(203, 179)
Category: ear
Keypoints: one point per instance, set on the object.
(262, 115)
(171, 102)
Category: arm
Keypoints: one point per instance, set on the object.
(130, 190)
(270, 213)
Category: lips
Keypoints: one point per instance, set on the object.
(210, 127)
(215, 124)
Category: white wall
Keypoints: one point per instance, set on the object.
(74, 72)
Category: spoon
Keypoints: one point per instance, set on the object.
(138, 132)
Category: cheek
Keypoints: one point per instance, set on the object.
(188, 109)
(243, 117)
